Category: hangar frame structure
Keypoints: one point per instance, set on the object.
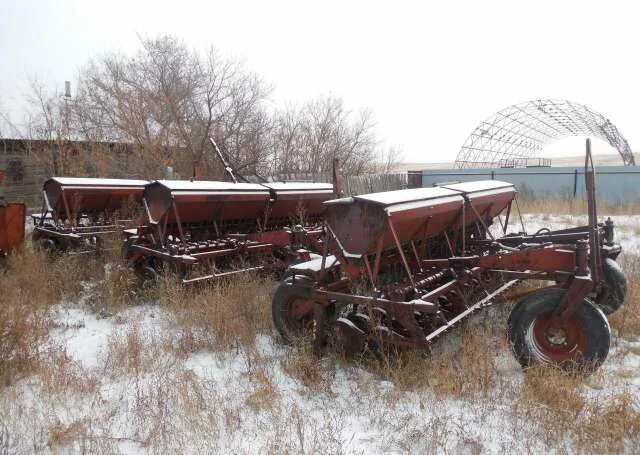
(515, 135)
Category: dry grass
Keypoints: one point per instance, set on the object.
(128, 355)
(63, 435)
(58, 373)
(302, 364)
(222, 315)
(33, 281)
(468, 381)
(626, 321)
(461, 364)
(117, 285)
(265, 394)
(552, 399)
(570, 206)
(611, 427)
(29, 286)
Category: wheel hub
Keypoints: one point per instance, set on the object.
(299, 315)
(557, 341)
(556, 336)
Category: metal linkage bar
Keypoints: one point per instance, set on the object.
(475, 307)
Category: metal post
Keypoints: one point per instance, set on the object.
(66, 209)
(402, 256)
(178, 222)
(594, 232)
(464, 227)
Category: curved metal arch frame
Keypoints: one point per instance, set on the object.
(513, 135)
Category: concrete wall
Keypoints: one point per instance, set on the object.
(23, 177)
(614, 184)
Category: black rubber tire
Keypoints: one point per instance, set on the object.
(611, 297)
(589, 316)
(129, 258)
(516, 310)
(146, 274)
(292, 287)
(50, 246)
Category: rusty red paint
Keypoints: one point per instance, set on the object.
(80, 213)
(70, 198)
(409, 265)
(559, 341)
(550, 259)
(205, 225)
(12, 226)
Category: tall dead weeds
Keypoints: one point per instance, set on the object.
(222, 315)
(571, 206)
(626, 321)
(30, 284)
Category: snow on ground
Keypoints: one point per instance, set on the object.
(246, 402)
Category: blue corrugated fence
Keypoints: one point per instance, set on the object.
(615, 184)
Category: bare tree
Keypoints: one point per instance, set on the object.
(388, 159)
(169, 99)
(307, 139)
(51, 119)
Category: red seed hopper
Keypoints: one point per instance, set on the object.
(177, 202)
(80, 212)
(204, 229)
(365, 224)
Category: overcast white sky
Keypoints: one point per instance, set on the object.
(429, 71)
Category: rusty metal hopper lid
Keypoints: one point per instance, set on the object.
(478, 186)
(300, 187)
(388, 198)
(209, 187)
(82, 182)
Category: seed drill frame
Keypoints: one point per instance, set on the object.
(404, 267)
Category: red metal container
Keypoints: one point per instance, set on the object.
(203, 201)
(487, 198)
(12, 224)
(206, 201)
(359, 223)
(69, 198)
(12, 221)
(296, 200)
(362, 223)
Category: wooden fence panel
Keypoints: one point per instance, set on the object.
(354, 184)
(374, 183)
